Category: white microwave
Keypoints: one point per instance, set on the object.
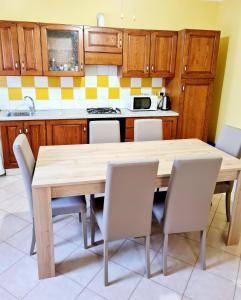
(143, 102)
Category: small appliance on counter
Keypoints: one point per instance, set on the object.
(143, 102)
(165, 101)
(103, 110)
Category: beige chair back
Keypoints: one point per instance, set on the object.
(190, 193)
(229, 140)
(128, 201)
(104, 132)
(26, 163)
(148, 130)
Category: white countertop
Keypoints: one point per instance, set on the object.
(58, 114)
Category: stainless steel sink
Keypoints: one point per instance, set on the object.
(19, 113)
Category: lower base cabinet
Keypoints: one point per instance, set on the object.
(169, 125)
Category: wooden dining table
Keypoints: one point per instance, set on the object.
(81, 170)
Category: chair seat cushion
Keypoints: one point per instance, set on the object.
(98, 206)
(159, 205)
(68, 205)
(223, 187)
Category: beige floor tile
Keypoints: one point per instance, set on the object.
(4, 295)
(149, 290)
(21, 277)
(122, 283)
(221, 263)
(136, 252)
(239, 275)
(178, 273)
(89, 295)
(61, 221)
(8, 256)
(220, 221)
(81, 266)
(62, 249)
(57, 288)
(7, 181)
(206, 286)
(237, 293)
(10, 225)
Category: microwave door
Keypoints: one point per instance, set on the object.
(142, 103)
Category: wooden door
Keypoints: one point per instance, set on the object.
(66, 132)
(9, 59)
(163, 53)
(194, 108)
(9, 131)
(136, 53)
(62, 50)
(36, 134)
(29, 48)
(200, 53)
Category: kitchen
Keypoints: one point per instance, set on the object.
(56, 79)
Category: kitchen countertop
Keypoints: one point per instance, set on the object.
(60, 114)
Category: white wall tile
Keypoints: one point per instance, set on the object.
(55, 94)
(135, 82)
(66, 81)
(67, 104)
(79, 93)
(114, 81)
(156, 82)
(29, 92)
(112, 70)
(3, 94)
(14, 81)
(102, 70)
(102, 93)
(146, 91)
(90, 81)
(41, 81)
(91, 70)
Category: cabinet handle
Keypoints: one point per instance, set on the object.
(183, 88)
(16, 65)
(81, 66)
(152, 68)
(147, 68)
(23, 65)
(185, 68)
(84, 128)
(26, 130)
(20, 131)
(120, 43)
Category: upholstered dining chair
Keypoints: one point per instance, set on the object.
(148, 130)
(126, 209)
(60, 206)
(228, 141)
(104, 132)
(185, 206)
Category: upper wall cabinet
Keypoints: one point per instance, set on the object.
(103, 46)
(200, 53)
(136, 53)
(163, 53)
(29, 48)
(62, 50)
(9, 59)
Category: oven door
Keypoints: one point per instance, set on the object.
(141, 103)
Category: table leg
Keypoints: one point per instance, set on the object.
(44, 231)
(235, 223)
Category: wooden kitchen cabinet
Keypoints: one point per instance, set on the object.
(66, 132)
(29, 48)
(169, 125)
(199, 53)
(35, 132)
(62, 50)
(163, 53)
(103, 46)
(9, 58)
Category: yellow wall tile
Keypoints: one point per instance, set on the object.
(135, 91)
(15, 94)
(42, 94)
(102, 81)
(114, 93)
(91, 93)
(146, 82)
(125, 82)
(27, 81)
(156, 90)
(67, 94)
(3, 81)
(54, 81)
(79, 81)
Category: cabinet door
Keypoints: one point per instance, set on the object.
(36, 134)
(195, 103)
(136, 53)
(29, 48)
(62, 50)
(163, 53)
(9, 59)
(66, 132)
(200, 53)
(9, 131)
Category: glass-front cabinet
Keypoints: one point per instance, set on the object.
(62, 50)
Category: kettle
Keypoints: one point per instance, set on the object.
(165, 102)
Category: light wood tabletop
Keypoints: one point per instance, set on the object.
(81, 169)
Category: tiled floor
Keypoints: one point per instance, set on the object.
(80, 272)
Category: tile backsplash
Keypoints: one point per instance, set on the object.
(100, 87)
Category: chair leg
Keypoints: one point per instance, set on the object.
(164, 254)
(148, 257)
(92, 227)
(33, 240)
(203, 249)
(84, 229)
(228, 200)
(106, 263)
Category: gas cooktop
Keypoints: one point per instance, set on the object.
(104, 110)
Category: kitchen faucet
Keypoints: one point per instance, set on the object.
(31, 108)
